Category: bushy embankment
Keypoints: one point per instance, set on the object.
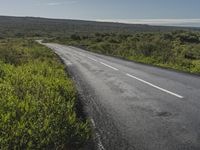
(37, 100)
(179, 50)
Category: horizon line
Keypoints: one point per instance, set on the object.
(193, 22)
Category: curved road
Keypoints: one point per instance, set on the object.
(134, 106)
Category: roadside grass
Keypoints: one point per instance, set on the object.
(179, 50)
(37, 100)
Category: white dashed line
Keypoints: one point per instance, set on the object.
(92, 59)
(129, 75)
(155, 86)
(109, 66)
(80, 54)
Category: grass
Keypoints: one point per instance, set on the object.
(37, 100)
(179, 50)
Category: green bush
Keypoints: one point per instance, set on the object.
(178, 49)
(196, 68)
(37, 103)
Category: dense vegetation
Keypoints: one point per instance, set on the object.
(37, 100)
(176, 49)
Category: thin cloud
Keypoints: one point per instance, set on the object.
(163, 22)
(60, 3)
(53, 4)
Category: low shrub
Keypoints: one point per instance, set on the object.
(37, 103)
(178, 49)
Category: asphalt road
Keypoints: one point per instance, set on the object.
(134, 106)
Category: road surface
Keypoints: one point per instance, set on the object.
(134, 106)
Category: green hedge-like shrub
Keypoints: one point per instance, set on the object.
(37, 106)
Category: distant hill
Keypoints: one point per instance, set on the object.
(33, 26)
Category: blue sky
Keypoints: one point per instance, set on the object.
(164, 12)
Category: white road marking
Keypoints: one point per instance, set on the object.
(100, 145)
(92, 59)
(155, 86)
(93, 123)
(67, 62)
(81, 54)
(109, 66)
(141, 80)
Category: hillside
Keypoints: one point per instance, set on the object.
(30, 26)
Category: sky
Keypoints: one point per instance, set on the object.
(155, 12)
